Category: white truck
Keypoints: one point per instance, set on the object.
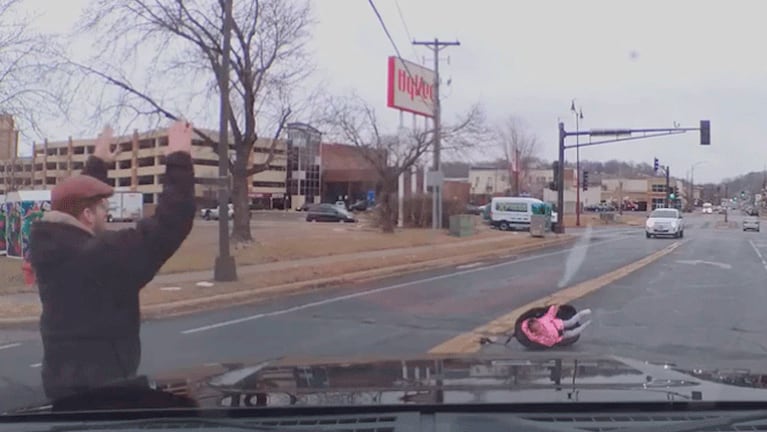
(126, 207)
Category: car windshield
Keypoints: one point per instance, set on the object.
(301, 203)
(664, 214)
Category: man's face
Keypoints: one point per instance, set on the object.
(95, 217)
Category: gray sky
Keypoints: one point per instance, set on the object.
(691, 60)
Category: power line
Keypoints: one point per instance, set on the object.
(407, 30)
(386, 30)
(394, 44)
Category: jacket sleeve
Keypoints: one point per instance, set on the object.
(95, 167)
(552, 312)
(135, 255)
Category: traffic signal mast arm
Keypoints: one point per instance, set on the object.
(705, 139)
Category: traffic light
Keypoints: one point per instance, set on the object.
(705, 132)
(555, 184)
(655, 165)
(585, 180)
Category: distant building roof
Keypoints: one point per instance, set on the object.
(345, 163)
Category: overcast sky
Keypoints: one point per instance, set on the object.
(627, 64)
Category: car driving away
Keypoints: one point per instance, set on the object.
(664, 222)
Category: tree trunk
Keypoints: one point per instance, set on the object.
(387, 211)
(241, 202)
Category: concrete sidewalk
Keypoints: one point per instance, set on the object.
(244, 270)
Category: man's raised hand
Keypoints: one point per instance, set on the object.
(102, 149)
(179, 137)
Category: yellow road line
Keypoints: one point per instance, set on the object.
(469, 342)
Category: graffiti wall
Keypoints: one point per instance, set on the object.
(19, 219)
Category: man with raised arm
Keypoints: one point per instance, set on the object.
(89, 277)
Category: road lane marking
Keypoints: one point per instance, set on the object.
(468, 266)
(36, 365)
(759, 254)
(386, 288)
(469, 342)
(724, 266)
(10, 345)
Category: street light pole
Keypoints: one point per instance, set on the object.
(578, 116)
(692, 182)
(225, 268)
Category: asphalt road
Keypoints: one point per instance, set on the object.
(702, 302)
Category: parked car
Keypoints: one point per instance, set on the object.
(360, 205)
(329, 213)
(473, 210)
(304, 207)
(212, 213)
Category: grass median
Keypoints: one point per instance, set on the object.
(275, 241)
(256, 286)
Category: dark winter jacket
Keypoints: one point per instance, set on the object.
(89, 283)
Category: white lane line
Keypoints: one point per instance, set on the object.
(386, 288)
(758, 253)
(36, 365)
(10, 345)
(468, 266)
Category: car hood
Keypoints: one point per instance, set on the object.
(482, 379)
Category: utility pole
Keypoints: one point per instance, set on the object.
(225, 268)
(436, 45)
(667, 187)
(516, 172)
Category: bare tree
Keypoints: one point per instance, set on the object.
(25, 65)
(518, 148)
(355, 121)
(161, 58)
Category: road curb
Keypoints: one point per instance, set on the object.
(255, 295)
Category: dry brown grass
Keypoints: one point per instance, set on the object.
(11, 277)
(289, 241)
(275, 241)
(355, 269)
(153, 294)
(593, 219)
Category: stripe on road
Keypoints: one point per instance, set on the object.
(469, 342)
(10, 345)
(759, 254)
(36, 365)
(385, 288)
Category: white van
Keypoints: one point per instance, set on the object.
(509, 213)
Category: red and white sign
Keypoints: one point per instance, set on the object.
(411, 87)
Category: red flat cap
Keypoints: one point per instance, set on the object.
(76, 189)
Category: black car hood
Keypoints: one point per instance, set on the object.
(522, 378)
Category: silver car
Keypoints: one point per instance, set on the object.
(664, 222)
(751, 223)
